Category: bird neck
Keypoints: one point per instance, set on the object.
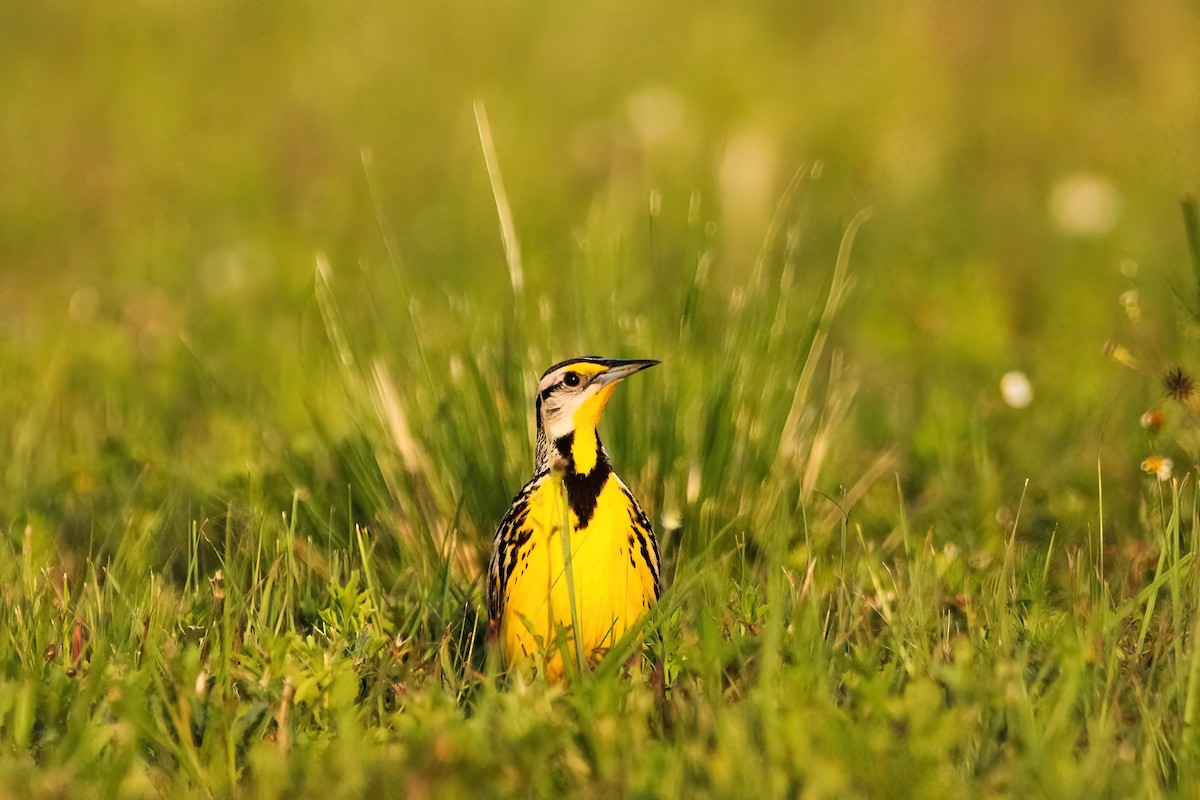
(586, 471)
(582, 452)
(579, 451)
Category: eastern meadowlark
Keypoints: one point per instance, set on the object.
(570, 579)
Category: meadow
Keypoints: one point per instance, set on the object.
(276, 284)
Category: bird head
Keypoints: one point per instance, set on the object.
(571, 397)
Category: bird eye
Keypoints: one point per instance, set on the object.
(571, 379)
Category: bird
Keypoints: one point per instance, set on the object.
(570, 580)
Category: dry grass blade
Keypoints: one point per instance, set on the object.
(508, 231)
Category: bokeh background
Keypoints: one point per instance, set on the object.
(266, 373)
(169, 171)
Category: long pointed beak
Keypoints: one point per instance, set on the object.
(619, 369)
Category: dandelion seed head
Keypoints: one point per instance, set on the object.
(1016, 390)
(1179, 384)
(1085, 205)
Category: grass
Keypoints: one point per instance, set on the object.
(267, 354)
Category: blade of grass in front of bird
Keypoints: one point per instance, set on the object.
(569, 570)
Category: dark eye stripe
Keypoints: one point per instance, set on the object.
(564, 384)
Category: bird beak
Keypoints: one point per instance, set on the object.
(588, 414)
(618, 370)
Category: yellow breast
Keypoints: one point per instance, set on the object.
(600, 577)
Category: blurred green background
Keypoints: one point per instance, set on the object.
(169, 171)
(245, 501)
